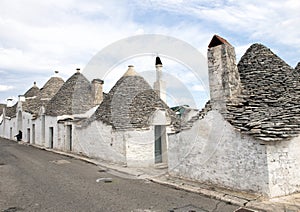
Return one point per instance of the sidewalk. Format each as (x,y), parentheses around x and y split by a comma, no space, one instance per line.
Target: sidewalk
(159,174)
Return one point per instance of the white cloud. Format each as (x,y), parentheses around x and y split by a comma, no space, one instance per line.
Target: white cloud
(42,36)
(5,88)
(273,22)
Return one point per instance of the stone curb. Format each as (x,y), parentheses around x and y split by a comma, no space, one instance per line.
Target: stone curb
(212,194)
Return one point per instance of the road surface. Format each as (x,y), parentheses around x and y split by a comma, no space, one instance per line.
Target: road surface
(32,179)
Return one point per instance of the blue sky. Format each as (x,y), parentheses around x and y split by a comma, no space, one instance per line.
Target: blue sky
(38,37)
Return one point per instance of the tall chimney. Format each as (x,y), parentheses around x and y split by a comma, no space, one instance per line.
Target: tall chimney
(224,78)
(97,91)
(159,84)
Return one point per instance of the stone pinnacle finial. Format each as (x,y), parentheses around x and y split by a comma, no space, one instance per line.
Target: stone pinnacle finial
(77,70)
(130,71)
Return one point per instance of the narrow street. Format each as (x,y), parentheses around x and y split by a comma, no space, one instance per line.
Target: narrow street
(32,179)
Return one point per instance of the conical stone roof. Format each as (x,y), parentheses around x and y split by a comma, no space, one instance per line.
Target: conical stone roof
(50,88)
(11,111)
(32,92)
(74,97)
(268,108)
(130,103)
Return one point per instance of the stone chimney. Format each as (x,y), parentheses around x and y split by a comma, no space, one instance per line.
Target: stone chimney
(160,85)
(224,78)
(97,91)
(22,98)
(9,102)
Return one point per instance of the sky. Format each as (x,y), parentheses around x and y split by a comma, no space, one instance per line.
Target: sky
(39,37)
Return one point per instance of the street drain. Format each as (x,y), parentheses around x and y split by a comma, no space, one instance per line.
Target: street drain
(13,209)
(189,208)
(105,180)
(244,210)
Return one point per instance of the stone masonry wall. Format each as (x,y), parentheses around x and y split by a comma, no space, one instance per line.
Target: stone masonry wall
(212,151)
(283,166)
(97,140)
(224,80)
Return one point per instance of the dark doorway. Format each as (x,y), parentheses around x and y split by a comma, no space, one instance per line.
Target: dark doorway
(51,137)
(157,146)
(28,135)
(33,134)
(69,137)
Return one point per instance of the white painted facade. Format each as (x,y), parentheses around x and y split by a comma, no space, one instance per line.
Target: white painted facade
(133,148)
(212,151)
(8,128)
(283,167)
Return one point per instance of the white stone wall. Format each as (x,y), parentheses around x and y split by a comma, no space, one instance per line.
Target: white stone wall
(97,140)
(5,127)
(283,164)
(139,147)
(38,131)
(26,124)
(59,143)
(51,121)
(134,148)
(213,152)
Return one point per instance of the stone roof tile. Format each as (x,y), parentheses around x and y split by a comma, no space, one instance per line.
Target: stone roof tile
(130,103)
(47,92)
(11,111)
(74,97)
(32,92)
(268,107)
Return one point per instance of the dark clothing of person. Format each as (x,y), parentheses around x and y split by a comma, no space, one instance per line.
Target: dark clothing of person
(19,136)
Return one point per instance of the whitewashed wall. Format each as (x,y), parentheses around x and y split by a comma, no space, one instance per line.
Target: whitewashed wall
(51,121)
(134,148)
(98,141)
(283,164)
(26,124)
(38,131)
(5,127)
(59,143)
(213,152)
(139,147)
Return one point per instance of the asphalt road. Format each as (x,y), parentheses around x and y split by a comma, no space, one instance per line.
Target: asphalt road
(32,179)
